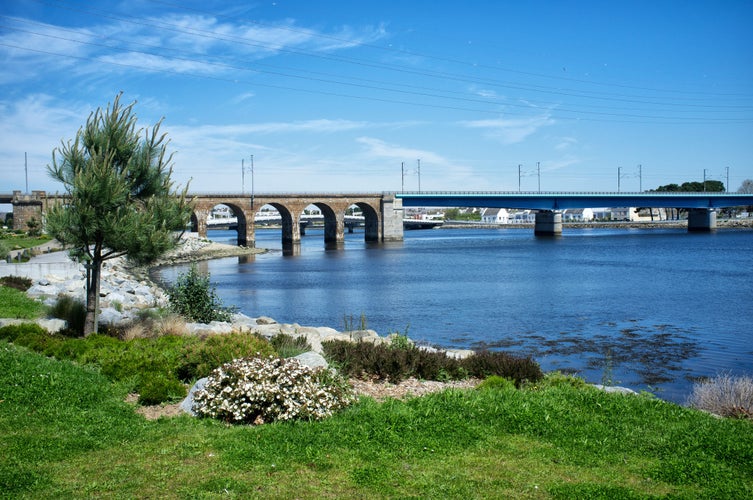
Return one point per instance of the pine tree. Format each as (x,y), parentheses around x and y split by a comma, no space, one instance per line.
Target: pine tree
(119,196)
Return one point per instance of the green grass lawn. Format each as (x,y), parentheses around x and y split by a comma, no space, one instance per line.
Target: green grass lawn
(65,431)
(16,304)
(21,241)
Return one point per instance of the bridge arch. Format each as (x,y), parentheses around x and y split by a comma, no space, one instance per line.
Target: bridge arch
(202,209)
(334,224)
(372,222)
(291,230)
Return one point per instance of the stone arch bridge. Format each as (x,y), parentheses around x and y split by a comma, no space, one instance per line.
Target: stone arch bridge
(383,215)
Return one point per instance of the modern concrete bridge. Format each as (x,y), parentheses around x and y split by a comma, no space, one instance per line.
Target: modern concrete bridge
(701,206)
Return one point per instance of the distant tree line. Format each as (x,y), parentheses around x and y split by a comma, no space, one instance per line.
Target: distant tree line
(704,186)
(694,187)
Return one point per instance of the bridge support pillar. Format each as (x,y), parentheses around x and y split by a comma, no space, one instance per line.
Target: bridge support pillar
(392,218)
(25,208)
(701,219)
(199,222)
(548,223)
(291,230)
(334,230)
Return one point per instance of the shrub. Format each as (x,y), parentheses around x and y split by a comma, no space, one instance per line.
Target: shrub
(262,390)
(71,310)
(12,332)
(368,360)
(559,379)
(400,341)
(157,388)
(486,363)
(148,364)
(724,395)
(35,227)
(195,298)
(17,282)
(496,382)
(33,337)
(198,359)
(385,362)
(287,346)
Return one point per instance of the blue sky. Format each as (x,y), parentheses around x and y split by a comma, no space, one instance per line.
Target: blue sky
(334,96)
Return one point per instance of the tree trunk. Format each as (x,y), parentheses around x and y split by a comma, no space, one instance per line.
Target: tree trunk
(92,297)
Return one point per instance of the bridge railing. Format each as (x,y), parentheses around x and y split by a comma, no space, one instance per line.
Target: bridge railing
(283,194)
(568,193)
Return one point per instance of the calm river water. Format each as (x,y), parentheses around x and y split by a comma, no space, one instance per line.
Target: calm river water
(650,309)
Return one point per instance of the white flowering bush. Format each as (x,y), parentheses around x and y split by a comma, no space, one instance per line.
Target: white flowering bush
(262,390)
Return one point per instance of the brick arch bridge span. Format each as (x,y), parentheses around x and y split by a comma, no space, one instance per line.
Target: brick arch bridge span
(383,214)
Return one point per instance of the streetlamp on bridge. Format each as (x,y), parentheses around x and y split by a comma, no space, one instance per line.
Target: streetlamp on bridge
(243,179)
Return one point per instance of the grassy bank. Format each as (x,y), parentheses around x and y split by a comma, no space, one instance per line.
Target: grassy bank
(65,431)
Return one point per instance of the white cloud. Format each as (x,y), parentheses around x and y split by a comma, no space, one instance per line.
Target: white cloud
(173,43)
(35,126)
(243,97)
(223,131)
(382,149)
(566,143)
(510,130)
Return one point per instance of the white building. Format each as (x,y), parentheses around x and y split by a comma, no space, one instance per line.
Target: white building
(522,217)
(495,216)
(577,215)
(634,214)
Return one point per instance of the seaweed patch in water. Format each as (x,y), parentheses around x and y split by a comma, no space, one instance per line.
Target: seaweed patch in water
(654,353)
(497,344)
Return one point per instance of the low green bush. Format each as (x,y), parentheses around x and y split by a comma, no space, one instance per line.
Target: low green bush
(486,363)
(496,382)
(32,336)
(12,332)
(558,379)
(156,388)
(198,359)
(400,341)
(148,364)
(263,390)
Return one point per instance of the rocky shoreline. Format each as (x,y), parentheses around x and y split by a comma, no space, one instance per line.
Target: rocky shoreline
(126,292)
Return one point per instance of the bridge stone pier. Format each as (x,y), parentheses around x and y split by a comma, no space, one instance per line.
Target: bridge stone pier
(701,219)
(27,207)
(548,223)
(383,215)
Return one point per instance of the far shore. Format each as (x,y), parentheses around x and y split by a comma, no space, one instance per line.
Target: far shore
(664,224)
